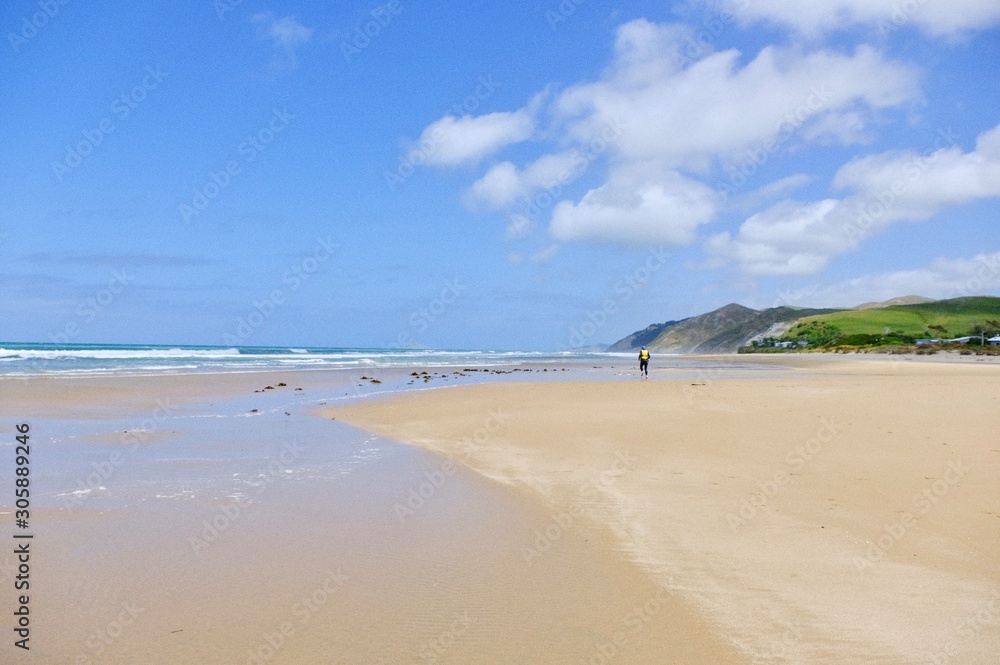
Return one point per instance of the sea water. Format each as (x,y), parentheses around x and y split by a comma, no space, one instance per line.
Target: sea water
(93,359)
(20,359)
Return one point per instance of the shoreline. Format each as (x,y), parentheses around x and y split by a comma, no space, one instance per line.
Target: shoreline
(61,395)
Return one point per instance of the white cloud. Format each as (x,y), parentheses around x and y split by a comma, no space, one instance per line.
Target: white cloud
(288,32)
(287,35)
(942,278)
(676,123)
(788,238)
(692,116)
(655,106)
(715,108)
(543,255)
(639,204)
(916,186)
(754,200)
(518,225)
(815,16)
(800,238)
(842,128)
(504,184)
(455,140)
(782,187)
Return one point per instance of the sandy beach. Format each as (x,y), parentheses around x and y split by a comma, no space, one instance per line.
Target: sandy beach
(845,513)
(203,518)
(803,509)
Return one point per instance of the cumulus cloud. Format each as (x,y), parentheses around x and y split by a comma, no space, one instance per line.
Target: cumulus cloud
(686,118)
(942,278)
(716,107)
(639,204)
(779,189)
(947,176)
(816,16)
(456,140)
(504,183)
(788,238)
(800,238)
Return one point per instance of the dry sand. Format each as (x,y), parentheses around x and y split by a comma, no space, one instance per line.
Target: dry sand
(848,512)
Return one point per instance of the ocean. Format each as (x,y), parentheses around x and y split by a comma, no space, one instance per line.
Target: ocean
(17,359)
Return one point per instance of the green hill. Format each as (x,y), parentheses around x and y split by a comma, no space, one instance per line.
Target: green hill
(900,324)
(724,330)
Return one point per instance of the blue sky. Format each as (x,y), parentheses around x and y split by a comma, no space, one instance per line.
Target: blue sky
(467,175)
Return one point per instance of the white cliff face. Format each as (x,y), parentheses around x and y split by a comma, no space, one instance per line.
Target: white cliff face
(776,330)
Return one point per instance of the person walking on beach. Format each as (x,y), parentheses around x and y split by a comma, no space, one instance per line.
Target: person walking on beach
(644,362)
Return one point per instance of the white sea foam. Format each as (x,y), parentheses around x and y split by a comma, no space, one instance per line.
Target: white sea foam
(95,360)
(117,354)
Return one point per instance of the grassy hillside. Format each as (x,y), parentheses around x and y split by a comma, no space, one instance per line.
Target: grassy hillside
(731,328)
(900,324)
(724,330)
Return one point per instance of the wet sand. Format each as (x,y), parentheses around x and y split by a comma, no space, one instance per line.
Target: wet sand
(205,544)
(310,577)
(846,512)
(115,397)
